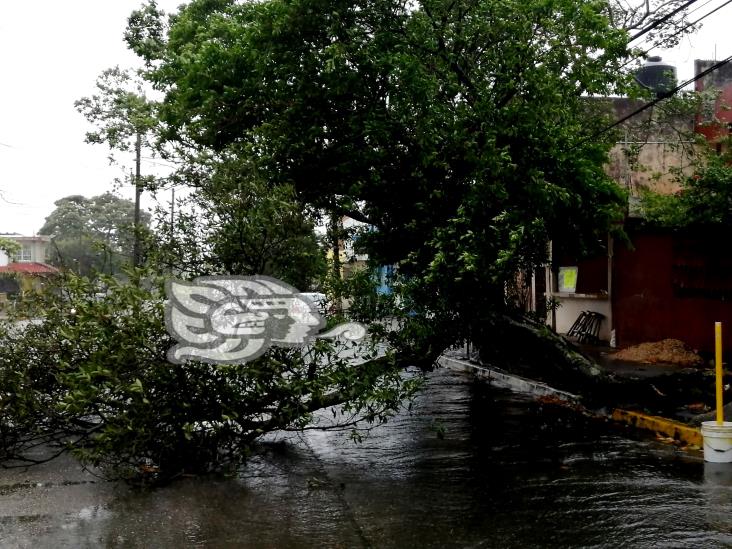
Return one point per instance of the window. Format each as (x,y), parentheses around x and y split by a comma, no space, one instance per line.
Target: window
(24,254)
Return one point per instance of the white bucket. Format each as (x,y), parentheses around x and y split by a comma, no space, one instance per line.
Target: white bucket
(717,441)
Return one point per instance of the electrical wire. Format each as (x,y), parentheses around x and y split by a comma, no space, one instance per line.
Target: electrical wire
(671,92)
(156,163)
(707,14)
(656,101)
(682,29)
(646,52)
(696,9)
(663,19)
(6,201)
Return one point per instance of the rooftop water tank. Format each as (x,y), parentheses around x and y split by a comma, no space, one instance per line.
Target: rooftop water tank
(657,76)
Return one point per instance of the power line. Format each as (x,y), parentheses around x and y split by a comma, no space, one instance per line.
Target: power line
(669,93)
(696,9)
(159,159)
(662,20)
(657,100)
(706,15)
(682,29)
(4,199)
(646,52)
(156,163)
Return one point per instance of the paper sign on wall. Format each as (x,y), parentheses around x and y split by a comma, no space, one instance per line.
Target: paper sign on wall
(567,280)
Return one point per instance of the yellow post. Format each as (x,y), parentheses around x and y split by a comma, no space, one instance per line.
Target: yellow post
(718,360)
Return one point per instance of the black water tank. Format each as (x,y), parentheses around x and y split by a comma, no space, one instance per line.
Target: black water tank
(657,76)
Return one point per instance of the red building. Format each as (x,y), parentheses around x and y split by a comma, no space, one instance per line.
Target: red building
(716,120)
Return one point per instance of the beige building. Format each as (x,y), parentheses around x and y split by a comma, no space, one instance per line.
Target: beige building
(33,249)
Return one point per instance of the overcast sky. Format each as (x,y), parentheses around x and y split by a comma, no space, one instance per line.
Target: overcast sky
(52,53)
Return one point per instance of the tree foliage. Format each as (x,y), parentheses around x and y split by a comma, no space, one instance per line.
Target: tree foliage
(93,377)
(457,130)
(237,225)
(119,111)
(9,246)
(705,197)
(92,234)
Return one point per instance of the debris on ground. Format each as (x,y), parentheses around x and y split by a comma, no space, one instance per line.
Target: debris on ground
(668,351)
(553,400)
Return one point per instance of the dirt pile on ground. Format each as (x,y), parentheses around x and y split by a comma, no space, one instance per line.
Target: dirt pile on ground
(668,351)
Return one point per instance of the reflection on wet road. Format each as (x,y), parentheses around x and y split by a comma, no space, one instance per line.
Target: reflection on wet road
(470,466)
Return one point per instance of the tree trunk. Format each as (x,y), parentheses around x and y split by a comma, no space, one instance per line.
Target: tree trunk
(335,242)
(533,350)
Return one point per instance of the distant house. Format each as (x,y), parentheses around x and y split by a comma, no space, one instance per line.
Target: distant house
(27,269)
(351,261)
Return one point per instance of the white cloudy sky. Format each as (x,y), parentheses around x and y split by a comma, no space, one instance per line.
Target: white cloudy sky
(52,52)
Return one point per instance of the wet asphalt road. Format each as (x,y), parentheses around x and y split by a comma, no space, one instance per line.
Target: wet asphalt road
(469,466)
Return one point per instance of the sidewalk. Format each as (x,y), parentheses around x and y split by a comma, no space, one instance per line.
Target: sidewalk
(666,429)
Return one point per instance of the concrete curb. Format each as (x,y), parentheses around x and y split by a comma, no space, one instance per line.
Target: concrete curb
(644,422)
(508,381)
(672,429)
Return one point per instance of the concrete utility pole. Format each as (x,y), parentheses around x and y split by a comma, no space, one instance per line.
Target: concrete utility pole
(138,191)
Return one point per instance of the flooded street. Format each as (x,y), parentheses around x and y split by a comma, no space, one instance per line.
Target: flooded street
(470,466)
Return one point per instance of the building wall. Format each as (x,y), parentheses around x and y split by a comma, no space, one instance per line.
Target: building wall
(676,285)
(671,286)
(37,245)
(651,150)
(655,166)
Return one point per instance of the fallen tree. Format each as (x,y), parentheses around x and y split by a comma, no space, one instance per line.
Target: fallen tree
(532,350)
(92,377)
(459,131)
